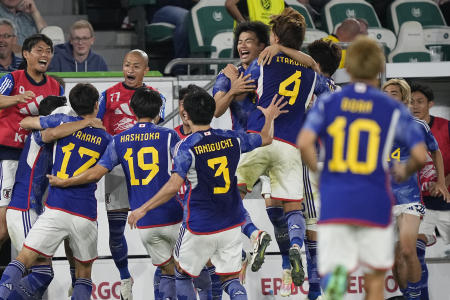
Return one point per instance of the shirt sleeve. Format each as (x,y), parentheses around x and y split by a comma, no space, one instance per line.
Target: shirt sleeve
(102,106)
(52,121)
(174,140)
(36,135)
(6,84)
(254,70)
(322,86)
(110,158)
(407,130)
(162,110)
(182,160)
(430,141)
(248,141)
(223,84)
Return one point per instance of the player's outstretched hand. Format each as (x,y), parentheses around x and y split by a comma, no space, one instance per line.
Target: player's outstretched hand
(55,181)
(97,123)
(231,71)
(242,84)
(265,57)
(399,172)
(439,189)
(135,216)
(23,98)
(274,109)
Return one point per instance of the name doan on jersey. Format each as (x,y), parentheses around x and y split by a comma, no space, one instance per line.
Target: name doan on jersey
(136,137)
(213,146)
(357,106)
(86,137)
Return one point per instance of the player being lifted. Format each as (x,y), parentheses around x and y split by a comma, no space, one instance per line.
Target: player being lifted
(114,110)
(207,160)
(357,127)
(280,160)
(70,213)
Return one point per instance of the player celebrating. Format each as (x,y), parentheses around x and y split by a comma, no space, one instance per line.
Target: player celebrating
(69,212)
(21,91)
(115,112)
(208,159)
(357,126)
(280,160)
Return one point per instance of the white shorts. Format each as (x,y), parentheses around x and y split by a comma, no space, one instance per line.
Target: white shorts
(192,251)
(8,170)
(433,219)
(350,246)
(311,202)
(160,242)
(116,191)
(54,226)
(415,209)
(281,162)
(19,224)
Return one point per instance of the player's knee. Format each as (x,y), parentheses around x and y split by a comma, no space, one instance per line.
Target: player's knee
(408,252)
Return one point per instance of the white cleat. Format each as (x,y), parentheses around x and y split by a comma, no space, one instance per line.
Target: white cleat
(126,286)
(286,283)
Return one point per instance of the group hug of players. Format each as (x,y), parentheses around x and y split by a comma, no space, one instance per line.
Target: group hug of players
(195,239)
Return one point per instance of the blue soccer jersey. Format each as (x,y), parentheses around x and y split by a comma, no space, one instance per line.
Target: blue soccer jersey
(208,160)
(240,110)
(357,127)
(34,163)
(409,191)
(297,83)
(144,151)
(73,155)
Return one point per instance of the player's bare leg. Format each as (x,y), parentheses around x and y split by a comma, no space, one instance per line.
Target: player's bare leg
(3,228)
(296,229)
(374,285)
(83,285)
(407,269)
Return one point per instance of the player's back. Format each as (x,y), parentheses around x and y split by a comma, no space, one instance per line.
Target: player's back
(213,202)
(296,82)
(145,154)
(73,155)
(358,127)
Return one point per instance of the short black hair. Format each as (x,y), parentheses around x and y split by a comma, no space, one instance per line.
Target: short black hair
(32,40)
(83,98)
(260,29)
(327,54)
(185,90)
(50,103)
(200,106)
(424,89)
(146,103)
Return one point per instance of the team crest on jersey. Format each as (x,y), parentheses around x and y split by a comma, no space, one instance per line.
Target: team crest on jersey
(6,194)
(265,4)
(207,133)
(141,125)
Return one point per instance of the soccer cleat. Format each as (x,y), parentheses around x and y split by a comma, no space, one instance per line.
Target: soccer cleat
(295,258)
(126,286)
(286,283)
(259,250)
(337,285)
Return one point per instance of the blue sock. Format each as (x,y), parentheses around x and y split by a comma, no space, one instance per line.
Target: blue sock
(413,290)
(167,290)
(313,273)
(82,289)
(216,284)
(248,227)
(324,281)
(36,283)
(184,286)
(280,227)
(117,242)
(11,276)
(156,283)
(234,289)
(403,291)
(72,275)
(297,226)
(203,285)
(420,247)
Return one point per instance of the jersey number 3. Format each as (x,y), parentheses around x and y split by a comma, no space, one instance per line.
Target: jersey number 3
(221,170)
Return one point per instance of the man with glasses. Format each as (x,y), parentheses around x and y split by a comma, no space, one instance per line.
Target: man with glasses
(8,38)
(76,55)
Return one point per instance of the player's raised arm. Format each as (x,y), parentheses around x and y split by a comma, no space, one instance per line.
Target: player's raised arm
(7,101)
(93,174)
(167,192)
(265,57)
(52,134)
(271,113)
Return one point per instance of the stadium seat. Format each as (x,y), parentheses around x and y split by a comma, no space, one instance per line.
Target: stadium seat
(303,10)
(205,20)
(384,36)
(337,11)
(55,33)
(313,34)
(158,32)
(410,44)
(426,12)
(223,44)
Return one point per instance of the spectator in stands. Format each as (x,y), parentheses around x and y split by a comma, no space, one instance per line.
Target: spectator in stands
(253,10)
(346,32)
(76,54)
(24,15)
(363,26)
(8,38)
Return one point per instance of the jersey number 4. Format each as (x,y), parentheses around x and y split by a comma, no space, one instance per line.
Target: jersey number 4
(341,163)
(293,93)
(82,151)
